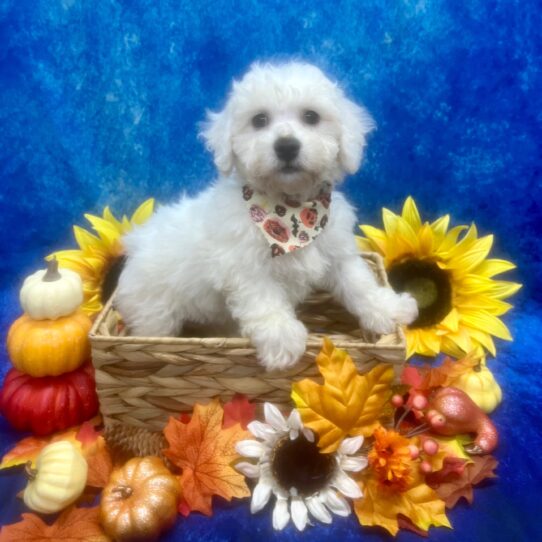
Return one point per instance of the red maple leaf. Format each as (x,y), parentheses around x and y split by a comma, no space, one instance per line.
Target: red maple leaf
(238,410)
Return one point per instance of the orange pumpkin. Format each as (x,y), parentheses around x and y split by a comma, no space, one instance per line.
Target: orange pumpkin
(49,347)
(140,501)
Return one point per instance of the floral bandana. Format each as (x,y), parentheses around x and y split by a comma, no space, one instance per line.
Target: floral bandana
(288,224)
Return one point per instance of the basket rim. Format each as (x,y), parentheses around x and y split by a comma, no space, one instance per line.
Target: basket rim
(314,341)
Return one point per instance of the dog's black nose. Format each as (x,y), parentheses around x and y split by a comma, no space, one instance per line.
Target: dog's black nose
(287,148)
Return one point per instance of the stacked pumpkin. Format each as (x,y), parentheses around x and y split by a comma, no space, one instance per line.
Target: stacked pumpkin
(51,386)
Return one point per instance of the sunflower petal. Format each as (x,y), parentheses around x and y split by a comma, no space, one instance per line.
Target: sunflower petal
(460,340)
(501,289)
(440,227)
(110,217)
(143,212)
(375,237)
(472,257)
(450,239)
(492,267)
(484,339)
(484,321)
(364,245)
(426,240)
(451,321)
(107,231)
(390,220)
(429,342)
(85,239)
(407,236)
(483,302)
(411,215)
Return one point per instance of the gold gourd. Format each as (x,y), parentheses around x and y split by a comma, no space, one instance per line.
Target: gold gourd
(480,385)
(140,501)
(58,480)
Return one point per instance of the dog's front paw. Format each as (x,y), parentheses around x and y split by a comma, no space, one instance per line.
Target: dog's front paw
(280,341)
(406,309)
(386,310)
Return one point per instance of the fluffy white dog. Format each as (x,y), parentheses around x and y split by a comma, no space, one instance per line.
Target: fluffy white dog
(286,136)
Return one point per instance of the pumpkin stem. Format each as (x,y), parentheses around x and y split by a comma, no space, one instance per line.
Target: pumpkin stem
(29,472)
(52,272)
(123,491)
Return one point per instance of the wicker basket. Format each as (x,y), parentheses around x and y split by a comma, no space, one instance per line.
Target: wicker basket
(141,381)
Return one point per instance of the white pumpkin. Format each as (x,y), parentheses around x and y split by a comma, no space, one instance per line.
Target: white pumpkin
(58,480)
(51,293)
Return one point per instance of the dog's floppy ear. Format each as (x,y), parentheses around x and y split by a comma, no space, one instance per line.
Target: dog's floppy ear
(356,123)
(216,131)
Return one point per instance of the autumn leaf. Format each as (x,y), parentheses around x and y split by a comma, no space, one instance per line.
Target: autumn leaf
(412,377)
(347,403)
(87,434)
(424,378)
(73,525)
(388,509)
(205,452)
(404,523)
(448,447)
(28,448)
(453,485)
(239,410)
(100,464)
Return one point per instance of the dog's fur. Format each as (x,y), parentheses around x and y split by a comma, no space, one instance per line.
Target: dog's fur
(202,260)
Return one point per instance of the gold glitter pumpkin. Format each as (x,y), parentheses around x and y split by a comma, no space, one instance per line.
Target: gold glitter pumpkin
(140,501)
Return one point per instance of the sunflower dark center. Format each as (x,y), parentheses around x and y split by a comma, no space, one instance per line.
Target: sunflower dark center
(299,464)
(111,278)
(428,284)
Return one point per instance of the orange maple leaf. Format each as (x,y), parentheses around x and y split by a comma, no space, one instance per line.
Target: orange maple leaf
(100,464)
(205,453)
(452,485)
(424,378)
(73,525)
(28,448)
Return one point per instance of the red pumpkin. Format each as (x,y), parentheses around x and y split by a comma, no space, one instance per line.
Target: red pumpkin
(50,403)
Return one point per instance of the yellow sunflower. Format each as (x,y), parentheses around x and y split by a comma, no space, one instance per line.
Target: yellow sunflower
(99,258)
(448,273)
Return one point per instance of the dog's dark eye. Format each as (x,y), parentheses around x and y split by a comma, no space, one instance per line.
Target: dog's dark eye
(311,117)
(261,120)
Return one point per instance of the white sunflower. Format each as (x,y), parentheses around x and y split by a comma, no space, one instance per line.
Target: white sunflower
(291,466)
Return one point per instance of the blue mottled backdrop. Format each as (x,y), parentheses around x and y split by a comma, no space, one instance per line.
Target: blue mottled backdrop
(99,103)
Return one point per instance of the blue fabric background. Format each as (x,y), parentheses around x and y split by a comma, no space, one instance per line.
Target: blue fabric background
(99,103)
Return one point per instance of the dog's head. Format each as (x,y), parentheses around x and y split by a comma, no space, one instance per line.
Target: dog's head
(286,128)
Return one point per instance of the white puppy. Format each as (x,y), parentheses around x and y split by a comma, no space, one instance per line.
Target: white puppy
(286,136)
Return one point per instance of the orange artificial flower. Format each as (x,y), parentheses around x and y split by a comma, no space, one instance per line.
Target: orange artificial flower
(390,459)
